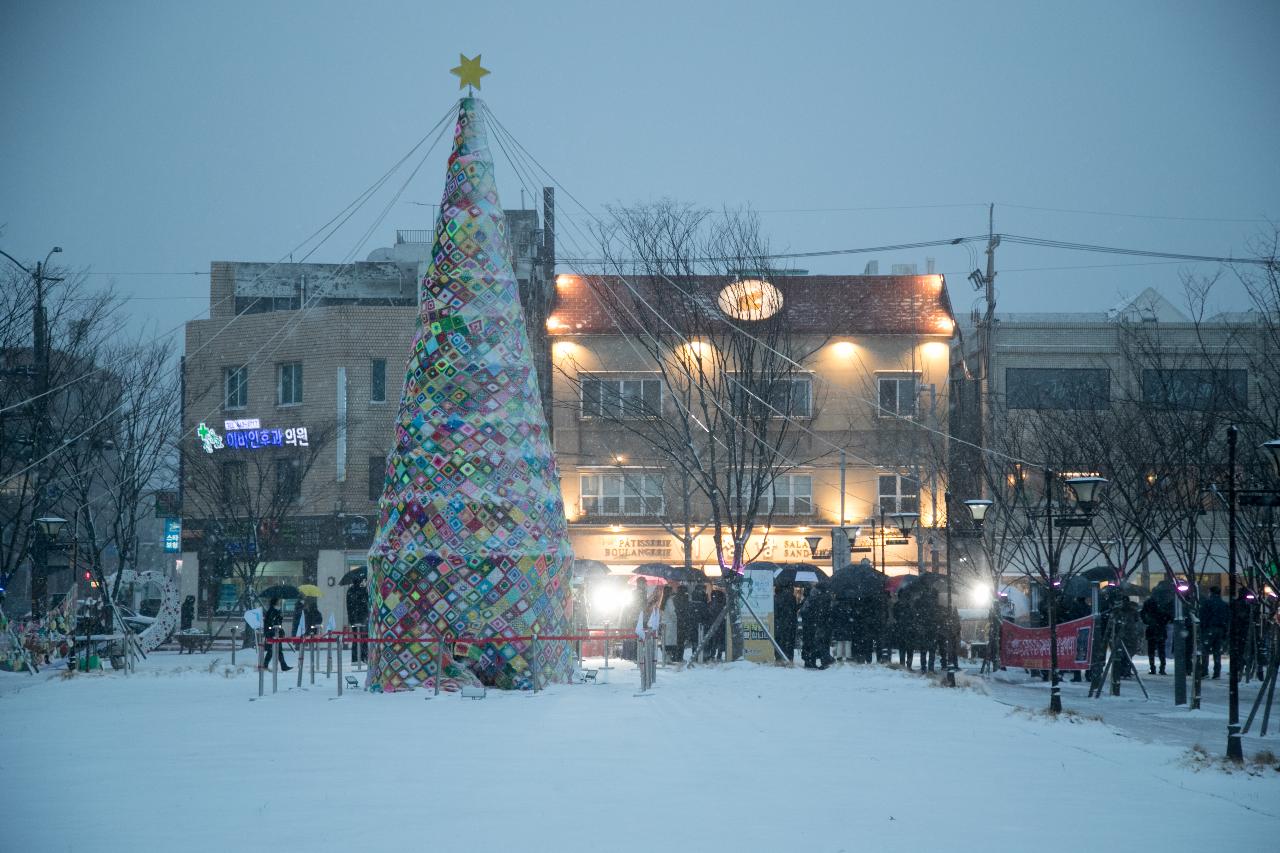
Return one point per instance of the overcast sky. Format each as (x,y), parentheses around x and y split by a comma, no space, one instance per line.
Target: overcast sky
(155,137)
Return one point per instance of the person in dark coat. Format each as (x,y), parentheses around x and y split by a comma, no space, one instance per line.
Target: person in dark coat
(904,628)
(718,602)
(784,621)
(683,640)
(1241,623)
(188,612)
(1215,617)
(699,615)
(815,625)
(358,619)
(841,619)
(272,622)
(1156,619)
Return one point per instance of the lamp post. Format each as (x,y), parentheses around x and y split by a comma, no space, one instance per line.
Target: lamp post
(1086,491)
(978,508)
(48,527)
(1251,497)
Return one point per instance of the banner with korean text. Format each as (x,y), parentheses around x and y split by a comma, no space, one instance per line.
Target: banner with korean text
(1029,647)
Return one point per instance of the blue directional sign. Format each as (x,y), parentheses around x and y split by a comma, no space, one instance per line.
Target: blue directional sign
(172,535)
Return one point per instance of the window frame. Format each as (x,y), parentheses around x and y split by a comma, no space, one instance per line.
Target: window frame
(619,394)
(1017,402)
(650,500)
(897,378)
(242,371)
(898,495)
(1163,378)
(296,383)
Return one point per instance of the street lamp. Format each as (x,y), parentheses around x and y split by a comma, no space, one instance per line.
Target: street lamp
(906,522)
(48,526)
(51,525)
(978,509)
(1086,491)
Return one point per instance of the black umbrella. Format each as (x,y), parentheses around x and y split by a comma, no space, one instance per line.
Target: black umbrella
(858,581)
(790,574)
(280,590)
(675,574)
(358,574)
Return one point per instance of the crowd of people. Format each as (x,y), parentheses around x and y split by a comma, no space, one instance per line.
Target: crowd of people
(824,622)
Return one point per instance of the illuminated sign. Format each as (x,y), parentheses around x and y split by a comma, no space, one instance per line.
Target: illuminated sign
(243,423)
(253,439)
(172,535)
(248,435)
(208,438)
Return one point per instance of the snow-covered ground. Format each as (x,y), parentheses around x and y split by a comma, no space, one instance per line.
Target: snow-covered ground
(184,757)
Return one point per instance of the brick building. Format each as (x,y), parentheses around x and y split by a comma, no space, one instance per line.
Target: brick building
(298,371)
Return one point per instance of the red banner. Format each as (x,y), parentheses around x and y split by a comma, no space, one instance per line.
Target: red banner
(1029,647)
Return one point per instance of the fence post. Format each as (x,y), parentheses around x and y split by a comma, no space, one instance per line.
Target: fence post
(262,673)
(439,664)
(653,659)
(275,662)
(328,658)
(533,661)
(701,652)
(301,661)
(233,644)
(315,651)
(340,664)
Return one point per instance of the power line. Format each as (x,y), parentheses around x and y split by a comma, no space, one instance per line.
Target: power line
(1132,215)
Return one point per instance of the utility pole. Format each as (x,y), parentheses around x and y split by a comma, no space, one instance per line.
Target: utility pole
(39,425)
(986,282)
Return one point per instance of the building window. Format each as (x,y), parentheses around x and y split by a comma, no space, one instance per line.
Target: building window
(235,483)
(377,476)
(781,398)
(621,398)
(235,384)
(1057,388)
(897,396)
(898,494)
(288,481)
(378,381)
(1203,390)
(793,494)
(621,494)
(289,384)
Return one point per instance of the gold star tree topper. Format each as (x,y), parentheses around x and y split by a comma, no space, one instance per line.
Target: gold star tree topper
(469,71)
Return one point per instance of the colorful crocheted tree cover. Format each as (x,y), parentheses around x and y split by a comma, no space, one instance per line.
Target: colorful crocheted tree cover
(471,538)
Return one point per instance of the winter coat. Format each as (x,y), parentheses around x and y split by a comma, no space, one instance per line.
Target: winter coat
(314,618)
(842,617)
(1155,618)
(272,619)
(357,604)
(686,628)
(784,610)
(669,625)
(816,616)
(1214,616)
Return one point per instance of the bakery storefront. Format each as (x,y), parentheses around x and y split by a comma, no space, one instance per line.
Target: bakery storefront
(624,548)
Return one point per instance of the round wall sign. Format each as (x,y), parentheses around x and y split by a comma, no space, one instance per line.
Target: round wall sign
(750,299)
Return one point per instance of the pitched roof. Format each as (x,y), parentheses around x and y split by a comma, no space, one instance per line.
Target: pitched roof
(823,304)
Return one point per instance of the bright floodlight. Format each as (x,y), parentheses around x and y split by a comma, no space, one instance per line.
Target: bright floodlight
(607,598)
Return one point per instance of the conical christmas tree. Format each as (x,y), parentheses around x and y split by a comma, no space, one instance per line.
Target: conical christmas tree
(471,536)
